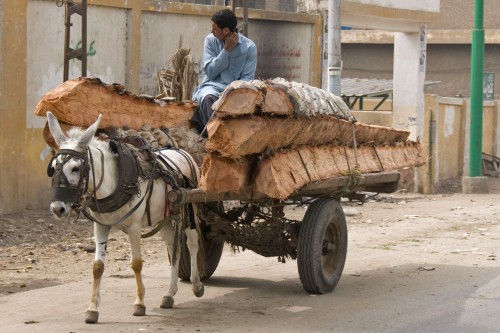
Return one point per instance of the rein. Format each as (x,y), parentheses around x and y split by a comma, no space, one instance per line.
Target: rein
(93,173)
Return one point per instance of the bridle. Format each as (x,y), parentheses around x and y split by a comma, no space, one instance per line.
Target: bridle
(62,189)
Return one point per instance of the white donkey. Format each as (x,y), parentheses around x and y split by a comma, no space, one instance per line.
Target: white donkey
(86,171)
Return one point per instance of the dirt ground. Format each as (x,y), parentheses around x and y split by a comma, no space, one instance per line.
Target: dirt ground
(37,251)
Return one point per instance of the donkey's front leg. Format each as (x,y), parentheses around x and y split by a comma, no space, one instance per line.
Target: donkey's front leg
(193,246)
(101,234)
(134,234)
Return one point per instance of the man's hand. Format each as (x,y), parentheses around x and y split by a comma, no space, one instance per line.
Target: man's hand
(231,41)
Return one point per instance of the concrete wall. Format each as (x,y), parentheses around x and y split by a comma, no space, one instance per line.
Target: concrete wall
(459,14)
(285,48)
(13,134)
(448,48)
(446,139)
(421,5)
(491,128)
(128,42)
(106,43)
(448,64)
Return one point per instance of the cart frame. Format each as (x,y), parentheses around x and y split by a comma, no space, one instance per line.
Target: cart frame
(318,242)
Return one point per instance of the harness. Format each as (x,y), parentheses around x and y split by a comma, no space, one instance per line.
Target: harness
(135,164)
(128,175)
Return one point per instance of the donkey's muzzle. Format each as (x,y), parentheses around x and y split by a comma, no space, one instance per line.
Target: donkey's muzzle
(65,194)
(59,208)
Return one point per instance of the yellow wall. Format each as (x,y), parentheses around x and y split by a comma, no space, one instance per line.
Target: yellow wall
(23,180)
(490,116)
(381,118)
(446,138)
(450,127)
(13,137)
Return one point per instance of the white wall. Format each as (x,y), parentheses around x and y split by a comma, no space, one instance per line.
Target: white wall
(160,35)
(284,48)
(423,5)
(408,83)
(106,44)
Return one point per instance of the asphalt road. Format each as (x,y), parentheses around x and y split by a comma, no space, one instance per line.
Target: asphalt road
(423,265)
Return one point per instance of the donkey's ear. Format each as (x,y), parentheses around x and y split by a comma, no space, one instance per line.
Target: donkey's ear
(89,133)
(55,129)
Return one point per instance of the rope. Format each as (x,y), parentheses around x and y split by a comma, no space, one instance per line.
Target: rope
(378,157)
(352,173)
(355,145)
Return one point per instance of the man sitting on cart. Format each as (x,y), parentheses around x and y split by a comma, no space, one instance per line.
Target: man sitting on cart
(228,56)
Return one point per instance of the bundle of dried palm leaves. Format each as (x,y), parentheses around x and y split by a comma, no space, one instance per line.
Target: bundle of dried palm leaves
(180,78)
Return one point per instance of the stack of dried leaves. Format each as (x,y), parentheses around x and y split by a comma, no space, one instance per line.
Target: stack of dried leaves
(181,77)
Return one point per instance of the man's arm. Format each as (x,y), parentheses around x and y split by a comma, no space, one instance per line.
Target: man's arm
(248,72)
(214,61)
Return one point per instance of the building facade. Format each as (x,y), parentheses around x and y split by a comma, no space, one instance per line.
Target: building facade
(370,54)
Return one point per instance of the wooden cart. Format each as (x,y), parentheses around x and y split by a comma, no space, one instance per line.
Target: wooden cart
(258,223)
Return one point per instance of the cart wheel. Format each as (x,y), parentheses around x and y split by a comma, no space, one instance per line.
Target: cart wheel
(322,246)
(213,252)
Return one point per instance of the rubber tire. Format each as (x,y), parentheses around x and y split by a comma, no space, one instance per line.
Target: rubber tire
(320,272)
(213,250)
(213,253)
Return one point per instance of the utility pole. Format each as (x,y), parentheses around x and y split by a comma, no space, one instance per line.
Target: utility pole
(334,46)
(475,183)
(245,18)
(476,94)
(245,15)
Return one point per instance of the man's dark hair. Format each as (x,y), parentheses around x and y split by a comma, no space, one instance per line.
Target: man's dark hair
(225,18)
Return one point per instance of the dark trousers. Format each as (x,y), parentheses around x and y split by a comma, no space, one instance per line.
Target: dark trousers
(204,113)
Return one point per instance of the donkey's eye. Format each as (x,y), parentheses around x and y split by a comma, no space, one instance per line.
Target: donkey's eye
(75,169)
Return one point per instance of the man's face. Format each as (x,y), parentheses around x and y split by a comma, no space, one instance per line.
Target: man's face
(220,33)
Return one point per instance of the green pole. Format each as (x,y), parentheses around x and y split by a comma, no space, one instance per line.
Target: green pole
(476,94)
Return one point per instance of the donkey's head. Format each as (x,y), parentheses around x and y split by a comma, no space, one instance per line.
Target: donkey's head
(69,168)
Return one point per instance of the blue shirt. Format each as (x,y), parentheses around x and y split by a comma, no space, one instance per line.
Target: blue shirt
(222,67)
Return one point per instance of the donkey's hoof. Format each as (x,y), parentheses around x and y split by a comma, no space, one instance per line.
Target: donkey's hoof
(139,310)
(91,317)
(167,302)
(200,291)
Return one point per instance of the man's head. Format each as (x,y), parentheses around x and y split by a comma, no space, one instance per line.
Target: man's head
(223,23)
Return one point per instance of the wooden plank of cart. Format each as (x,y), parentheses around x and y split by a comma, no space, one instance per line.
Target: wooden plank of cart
(258,223)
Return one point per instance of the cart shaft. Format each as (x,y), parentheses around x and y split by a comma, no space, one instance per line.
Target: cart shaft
(385,182)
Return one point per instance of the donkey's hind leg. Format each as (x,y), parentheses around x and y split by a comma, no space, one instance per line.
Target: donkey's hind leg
(134,234)
(101,234)
(193,246)
(168,235)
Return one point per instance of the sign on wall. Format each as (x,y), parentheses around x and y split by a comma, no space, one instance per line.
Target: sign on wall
(488,86)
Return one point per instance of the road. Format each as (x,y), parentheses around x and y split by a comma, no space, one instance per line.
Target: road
(414,264)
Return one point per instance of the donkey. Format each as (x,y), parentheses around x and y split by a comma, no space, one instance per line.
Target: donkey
(87,171)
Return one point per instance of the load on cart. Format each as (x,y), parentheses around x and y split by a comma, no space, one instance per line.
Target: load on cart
(138,165)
